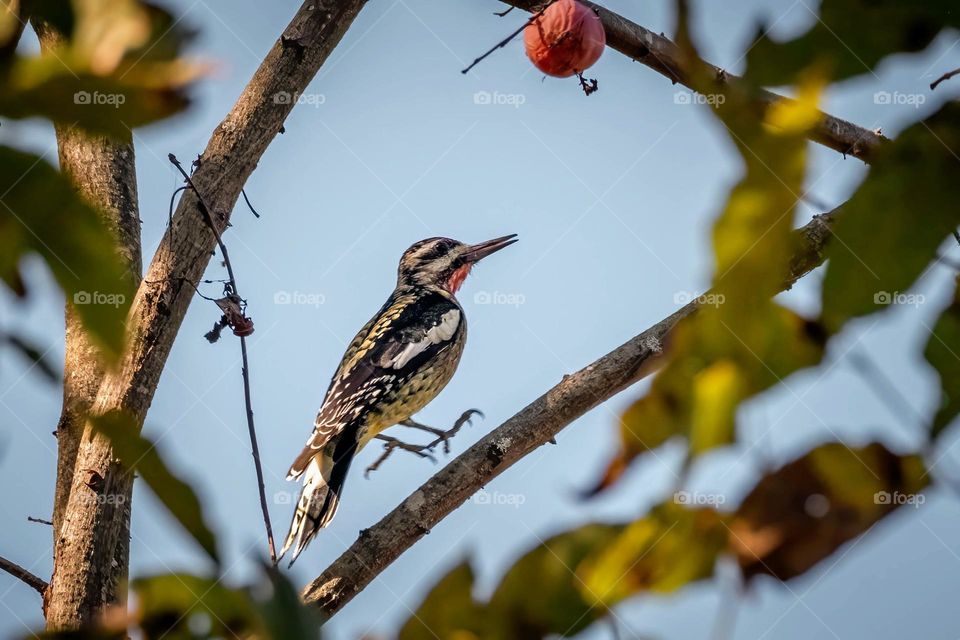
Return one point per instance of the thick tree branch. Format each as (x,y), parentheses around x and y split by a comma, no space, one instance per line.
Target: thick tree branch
(535,425)
(664,56)
(103,171)
(19,572)
(89,533)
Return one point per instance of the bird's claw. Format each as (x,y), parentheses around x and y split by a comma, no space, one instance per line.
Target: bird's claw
(423,450)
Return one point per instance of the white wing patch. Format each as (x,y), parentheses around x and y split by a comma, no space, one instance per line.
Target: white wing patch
(435,335)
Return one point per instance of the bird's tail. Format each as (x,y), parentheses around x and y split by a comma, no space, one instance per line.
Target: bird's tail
(323,482)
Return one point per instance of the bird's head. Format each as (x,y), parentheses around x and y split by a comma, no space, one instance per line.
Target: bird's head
(443,262)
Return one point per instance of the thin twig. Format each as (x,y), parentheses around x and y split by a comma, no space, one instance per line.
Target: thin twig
(510,37)
(243,192)
(19,572)
(504,12)
(245,370)
(946,76)
(39,520)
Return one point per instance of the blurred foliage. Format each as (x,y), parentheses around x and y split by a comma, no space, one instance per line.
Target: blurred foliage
(943,354)
(792,519)
(850,37)
(117,67)
(180,606)
(893,225)
(114,65)
(41,214)
(137,453)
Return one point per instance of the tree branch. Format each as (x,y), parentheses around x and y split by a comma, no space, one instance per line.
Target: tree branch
(89,533)
(19,572)
(536,424)
(665,57)
(103,171)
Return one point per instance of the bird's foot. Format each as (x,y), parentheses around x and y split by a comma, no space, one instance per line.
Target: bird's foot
(422,450)
(441,435)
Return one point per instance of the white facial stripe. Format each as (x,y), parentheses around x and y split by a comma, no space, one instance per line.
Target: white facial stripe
(435,335)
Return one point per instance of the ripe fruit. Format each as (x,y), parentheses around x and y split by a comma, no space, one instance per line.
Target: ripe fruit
(566,40)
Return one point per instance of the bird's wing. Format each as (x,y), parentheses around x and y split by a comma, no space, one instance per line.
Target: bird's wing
(408,331)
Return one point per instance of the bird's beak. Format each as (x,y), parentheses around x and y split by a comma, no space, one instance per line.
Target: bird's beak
(477,252)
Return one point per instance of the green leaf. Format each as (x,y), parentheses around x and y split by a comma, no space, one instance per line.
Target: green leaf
(41,213)
(892,226)
(551,571)
(33,354)
(802,513)
(943,354)
(739,342)
(667,549)
(448,610)
(116,68)
(283,615)
(850,38)
(136,452)
(174,605)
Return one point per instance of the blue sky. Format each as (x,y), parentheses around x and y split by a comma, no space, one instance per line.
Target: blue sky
(612,197)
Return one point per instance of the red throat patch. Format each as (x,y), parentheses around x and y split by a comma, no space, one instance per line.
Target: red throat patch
(457,278)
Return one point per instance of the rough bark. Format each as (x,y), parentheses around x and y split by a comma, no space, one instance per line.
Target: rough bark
(665,57)
(536,424)
(104,172)
(88,532)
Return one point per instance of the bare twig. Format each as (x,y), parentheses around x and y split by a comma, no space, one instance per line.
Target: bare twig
(19,572)
(234,295)
(39,521)
(664,56)
(510,37)
(532,427)
(943,78)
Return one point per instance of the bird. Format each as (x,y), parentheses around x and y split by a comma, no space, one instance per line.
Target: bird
(396,365)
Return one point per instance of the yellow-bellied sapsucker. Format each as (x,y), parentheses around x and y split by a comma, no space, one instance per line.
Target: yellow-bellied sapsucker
(398,362)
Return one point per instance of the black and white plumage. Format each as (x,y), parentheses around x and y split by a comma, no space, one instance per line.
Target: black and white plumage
(397,363)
